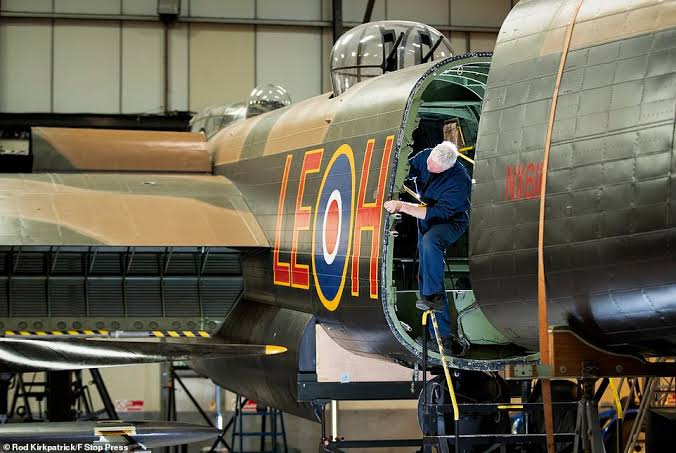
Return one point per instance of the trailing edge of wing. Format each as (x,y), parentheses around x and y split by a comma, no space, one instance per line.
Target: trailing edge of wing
(19,354)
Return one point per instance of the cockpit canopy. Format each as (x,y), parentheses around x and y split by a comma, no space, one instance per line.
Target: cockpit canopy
(265,98)
(372,49)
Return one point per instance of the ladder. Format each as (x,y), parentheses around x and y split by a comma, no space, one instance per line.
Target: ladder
(240,432)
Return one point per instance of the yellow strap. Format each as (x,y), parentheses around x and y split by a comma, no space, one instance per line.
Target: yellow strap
(447,373)
(616,397)
(424,319)
(468,159)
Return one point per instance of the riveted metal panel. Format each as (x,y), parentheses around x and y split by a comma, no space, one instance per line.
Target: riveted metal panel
(608,215)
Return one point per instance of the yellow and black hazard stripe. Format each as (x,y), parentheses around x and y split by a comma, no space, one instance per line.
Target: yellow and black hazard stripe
(106,333)
(181,333)
(57,333)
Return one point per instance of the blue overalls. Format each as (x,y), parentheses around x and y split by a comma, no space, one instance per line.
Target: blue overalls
(446,195)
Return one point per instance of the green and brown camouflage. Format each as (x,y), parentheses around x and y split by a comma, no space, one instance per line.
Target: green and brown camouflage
(296,197)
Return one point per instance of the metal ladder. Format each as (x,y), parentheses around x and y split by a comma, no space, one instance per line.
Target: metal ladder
(239,432)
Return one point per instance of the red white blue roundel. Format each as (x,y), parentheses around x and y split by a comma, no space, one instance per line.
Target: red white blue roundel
(333,227)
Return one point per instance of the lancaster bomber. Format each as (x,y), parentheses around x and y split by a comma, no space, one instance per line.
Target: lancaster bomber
(276,223)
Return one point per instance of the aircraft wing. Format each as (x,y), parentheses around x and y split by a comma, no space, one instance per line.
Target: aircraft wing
(126,188)
(129,209)
(29,354)
(128,434)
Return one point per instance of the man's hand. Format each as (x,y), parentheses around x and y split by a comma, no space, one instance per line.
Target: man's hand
(393,206)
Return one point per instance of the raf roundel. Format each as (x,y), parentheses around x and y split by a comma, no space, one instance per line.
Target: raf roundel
(332,236)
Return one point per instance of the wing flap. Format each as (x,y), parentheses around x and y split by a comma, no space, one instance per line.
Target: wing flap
(64,149)
(125,209)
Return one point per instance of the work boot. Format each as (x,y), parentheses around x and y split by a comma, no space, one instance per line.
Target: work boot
(452,346)
(434,302)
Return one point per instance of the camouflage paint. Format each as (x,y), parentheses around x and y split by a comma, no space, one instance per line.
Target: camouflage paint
(610,197)
(124,209)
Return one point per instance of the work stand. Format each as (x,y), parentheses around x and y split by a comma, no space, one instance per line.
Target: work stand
(442,423)
(321,394)
(173,378)
(336,444)
(59,396)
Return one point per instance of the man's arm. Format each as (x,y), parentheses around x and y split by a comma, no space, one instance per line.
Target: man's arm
(412,209)
(415,210)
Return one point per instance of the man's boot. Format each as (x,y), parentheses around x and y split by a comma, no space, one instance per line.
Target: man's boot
(434,302)
(452,346)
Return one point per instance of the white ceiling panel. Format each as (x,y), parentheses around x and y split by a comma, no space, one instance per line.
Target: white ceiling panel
(327,45)
(482,42)
(431,12)
(142,67)
(353,10)
(459,42)
(25,66)
(88,6)
(291,57)
(221,8)
(32,6)
(178,67)
(221,64)
(289,9)
(485,13)
(86,67)
(139,7)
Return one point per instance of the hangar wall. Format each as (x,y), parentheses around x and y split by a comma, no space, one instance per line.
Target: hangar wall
(108,56)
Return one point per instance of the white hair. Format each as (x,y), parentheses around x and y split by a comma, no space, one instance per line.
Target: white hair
(446,154)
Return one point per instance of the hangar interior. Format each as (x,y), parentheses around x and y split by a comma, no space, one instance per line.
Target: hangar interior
(73,63)
(180,65)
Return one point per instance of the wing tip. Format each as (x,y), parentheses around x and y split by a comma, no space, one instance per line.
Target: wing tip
(271,349)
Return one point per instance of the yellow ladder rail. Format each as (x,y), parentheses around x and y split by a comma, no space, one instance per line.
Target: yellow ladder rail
(444,363)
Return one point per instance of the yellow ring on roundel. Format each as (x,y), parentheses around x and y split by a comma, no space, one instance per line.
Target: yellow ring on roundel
(332,304)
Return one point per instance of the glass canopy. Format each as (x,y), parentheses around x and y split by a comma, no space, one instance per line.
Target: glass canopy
(372,49)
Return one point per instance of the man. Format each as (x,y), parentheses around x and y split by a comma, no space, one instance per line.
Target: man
(443,215)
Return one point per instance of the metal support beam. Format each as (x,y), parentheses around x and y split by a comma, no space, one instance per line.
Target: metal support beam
(103,393)
(334,420)
(369,11)
(60,396)
(5,380)
(337,19)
